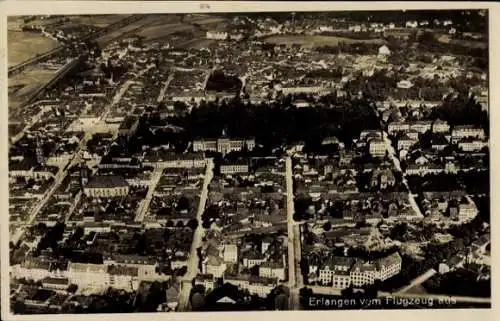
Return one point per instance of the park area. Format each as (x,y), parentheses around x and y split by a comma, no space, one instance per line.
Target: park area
(316,41)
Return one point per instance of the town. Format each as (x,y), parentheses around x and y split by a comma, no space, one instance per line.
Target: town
(162,163)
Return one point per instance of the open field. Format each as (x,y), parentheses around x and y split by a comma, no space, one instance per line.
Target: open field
(97,20)
(315,41)
(163,19)
(27,82)
(22,46)
(14,23)
(159,31)
(465,43)
(134,28)
(206,20)
(200,43)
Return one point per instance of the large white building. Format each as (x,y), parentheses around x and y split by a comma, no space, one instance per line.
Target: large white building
(396,127)
(421,126)
(123,277)
(460,132)
(223,145)
(472,145)
(98,277)
(440,126)
(341,272)
(406,142)
(217,35)
(272,270)
(146,267)
(164,159)
(37,269)
(255,285)
(333,267)
(234,168)
(230,253)
(91,276)
(377,148)
(106,186)
(466,211)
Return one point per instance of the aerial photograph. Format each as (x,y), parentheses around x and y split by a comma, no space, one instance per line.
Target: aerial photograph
(248,161)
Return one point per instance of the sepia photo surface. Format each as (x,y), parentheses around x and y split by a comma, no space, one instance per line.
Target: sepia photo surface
(248,161)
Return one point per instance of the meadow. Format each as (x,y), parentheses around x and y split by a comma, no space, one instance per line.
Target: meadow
(22,46)
(316,40)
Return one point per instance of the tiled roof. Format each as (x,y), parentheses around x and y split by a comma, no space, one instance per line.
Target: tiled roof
(123,270)
(86,267)
(392,259)
(214,260)
(58,281)
(108,181)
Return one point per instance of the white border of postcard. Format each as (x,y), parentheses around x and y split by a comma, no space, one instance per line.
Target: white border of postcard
(128,7)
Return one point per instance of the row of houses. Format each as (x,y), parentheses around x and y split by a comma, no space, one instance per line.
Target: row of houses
(420,126)
(438,126)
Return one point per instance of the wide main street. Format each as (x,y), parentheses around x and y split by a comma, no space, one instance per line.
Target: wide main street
(192,268)
(293,240)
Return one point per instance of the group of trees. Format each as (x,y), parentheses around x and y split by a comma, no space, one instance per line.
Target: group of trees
(355,48)
(461,110)
(474,182)
(220,82)
(51,239)
(210,214)
(192,224)
(111,301)
(332,116)
(435,253)
(427,42)
(404,233)
(461,282)
(333,74)
(288,123)
(301,207)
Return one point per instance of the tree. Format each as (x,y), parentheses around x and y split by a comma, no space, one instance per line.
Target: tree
(281,302)
(170,223)
(183,203)
(192,224)
(327,226)
(181,271)
(179,224)
(72,288)
(347,292)
(254,270)
(399,232)
(19,307)
(165,211)
(304,266)
(197,301)
(206,224)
